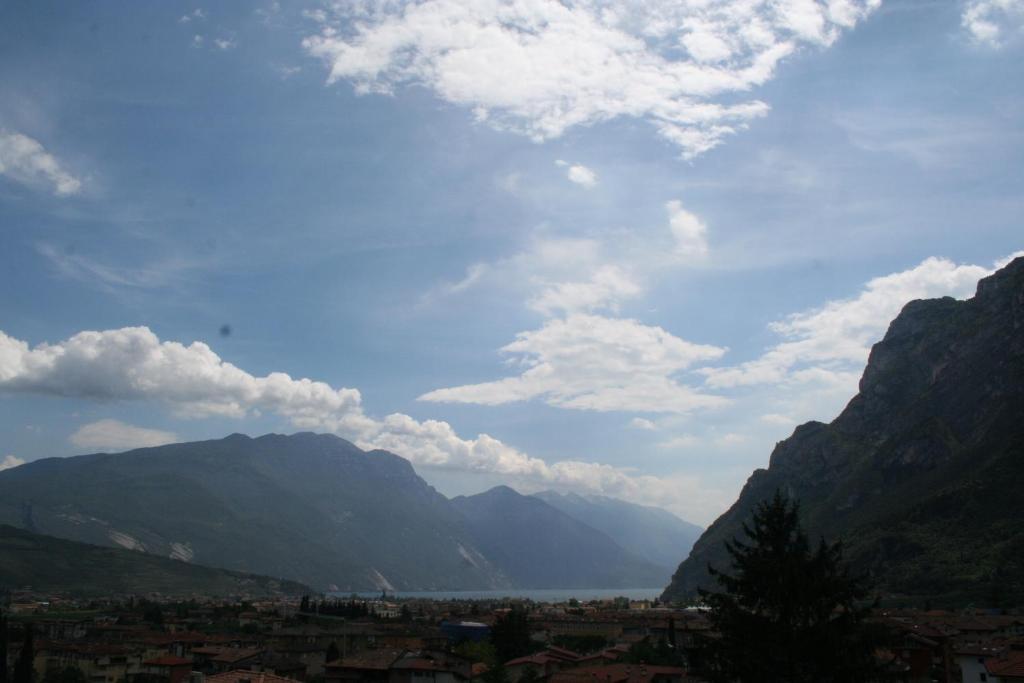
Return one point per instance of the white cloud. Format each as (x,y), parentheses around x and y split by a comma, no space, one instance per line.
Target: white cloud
(225,44)
(642,423)
(197,40)
(113,435)
(689,232)
(988,21)
(540,67)
(579,174)
(25,160)
(681,442)
(604,290)
(589,362)
(167,271)
(132,364)
(829,346)
(731,439)
(778,419)
(10,461)
(195,14)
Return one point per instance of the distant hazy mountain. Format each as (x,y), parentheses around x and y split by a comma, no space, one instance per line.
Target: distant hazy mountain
(539,546)
(921,474)
(52,564)
(654,534)
(313,508)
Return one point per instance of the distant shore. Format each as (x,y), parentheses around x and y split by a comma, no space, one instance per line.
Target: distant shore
(535,594)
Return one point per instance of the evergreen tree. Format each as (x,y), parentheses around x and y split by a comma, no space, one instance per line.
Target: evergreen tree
(332,652)
(511,636)
(787,613)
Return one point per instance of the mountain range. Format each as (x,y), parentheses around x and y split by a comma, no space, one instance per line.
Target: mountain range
(539,546)
(317,509)
(651,533)
(54,565)
(921,474)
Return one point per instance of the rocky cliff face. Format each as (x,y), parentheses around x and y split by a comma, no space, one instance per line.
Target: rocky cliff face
(921,474)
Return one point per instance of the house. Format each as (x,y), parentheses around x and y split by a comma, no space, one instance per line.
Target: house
(1007,667)
(621,673)
(244,676)
(213,660)
(370,665)
(167,669)
(542,663)
(432,667)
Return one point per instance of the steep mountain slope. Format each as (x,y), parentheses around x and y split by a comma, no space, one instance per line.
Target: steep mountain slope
(654,534)
(539,546)
(52,564)
(313,508)
(921,474)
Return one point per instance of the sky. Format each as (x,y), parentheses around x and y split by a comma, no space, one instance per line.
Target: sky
(608,247)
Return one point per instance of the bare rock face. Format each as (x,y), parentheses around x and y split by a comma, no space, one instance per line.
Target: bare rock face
(920,474)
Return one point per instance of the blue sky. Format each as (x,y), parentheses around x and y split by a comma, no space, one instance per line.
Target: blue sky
(613,247)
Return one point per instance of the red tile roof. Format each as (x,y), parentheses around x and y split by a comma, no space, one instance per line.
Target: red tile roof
(167,660)
(1008,665)
(617,673)
(243,676)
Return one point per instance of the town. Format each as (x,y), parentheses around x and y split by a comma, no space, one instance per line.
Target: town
(156,639)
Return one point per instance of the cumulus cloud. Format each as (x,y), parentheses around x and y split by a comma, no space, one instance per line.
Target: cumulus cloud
(540,67)
(133,364)
(579,174)
(830,345)
(25,160)
(10,461)
(608,286)
(989,21)
(688,230)
(590,362)
(642,423)
(114,435)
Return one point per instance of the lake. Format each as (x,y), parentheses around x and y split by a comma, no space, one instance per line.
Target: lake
(535,594)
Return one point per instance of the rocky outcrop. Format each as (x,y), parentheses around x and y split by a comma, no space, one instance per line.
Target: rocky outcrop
(919,475)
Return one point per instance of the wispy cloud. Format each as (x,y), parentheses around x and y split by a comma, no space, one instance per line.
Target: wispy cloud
(114,435)
(589,362)
(26,161)
(540,68)
(10,461)
(830,345)
(72,264)
(988,22)
(196,14)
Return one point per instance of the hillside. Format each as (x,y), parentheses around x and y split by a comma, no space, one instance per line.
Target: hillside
(539,546)
(651,533)
(921,474)
(312,508)
(48,564)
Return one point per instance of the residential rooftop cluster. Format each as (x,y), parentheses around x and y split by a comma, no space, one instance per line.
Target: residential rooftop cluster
(331,640)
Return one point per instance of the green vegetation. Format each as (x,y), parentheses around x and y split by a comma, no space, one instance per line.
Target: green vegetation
(919,475)
(59,566)
(787,613)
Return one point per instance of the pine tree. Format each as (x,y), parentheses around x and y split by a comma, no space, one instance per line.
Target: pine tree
(788,613)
